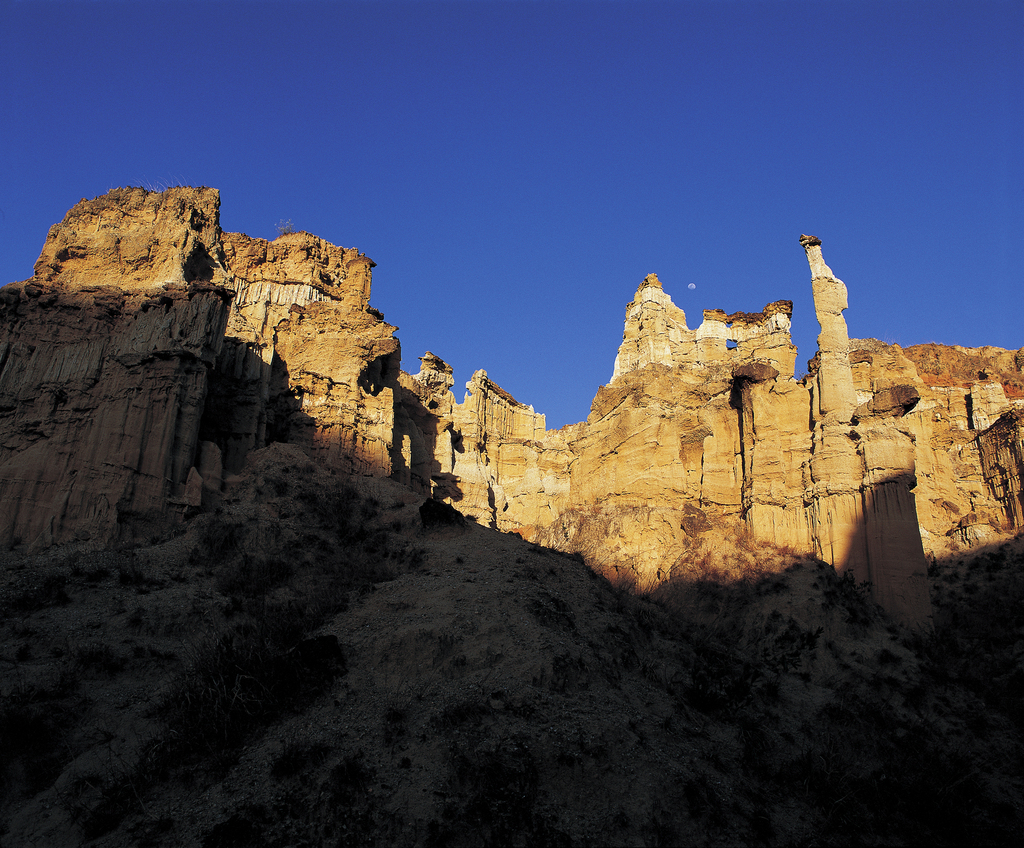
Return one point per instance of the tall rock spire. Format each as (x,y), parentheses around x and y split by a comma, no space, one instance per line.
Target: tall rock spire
(861,506)
(836,395)
(655,329)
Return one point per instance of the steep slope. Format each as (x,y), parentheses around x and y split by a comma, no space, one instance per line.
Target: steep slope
(322,662)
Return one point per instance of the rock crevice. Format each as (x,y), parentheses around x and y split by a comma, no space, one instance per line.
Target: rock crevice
(151,354)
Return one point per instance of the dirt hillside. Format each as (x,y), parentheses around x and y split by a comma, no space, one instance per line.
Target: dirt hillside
(321,660)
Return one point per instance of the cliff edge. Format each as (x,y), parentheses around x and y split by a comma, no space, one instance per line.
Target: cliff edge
(151,354)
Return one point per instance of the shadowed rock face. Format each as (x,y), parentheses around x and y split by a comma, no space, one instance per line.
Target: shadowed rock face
(151,354)
(1002,460)
(104,360)
(137,367)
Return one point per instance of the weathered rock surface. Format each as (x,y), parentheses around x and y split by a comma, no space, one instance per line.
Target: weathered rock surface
(133,239)
(863,462)
(961,367)
(1002,461)
(306,359)
(490,455)
(104,359)
(151,354)
(138,368)
(656,334)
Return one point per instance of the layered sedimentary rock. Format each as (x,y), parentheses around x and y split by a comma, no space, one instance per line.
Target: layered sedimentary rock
(490,455)
(151,354)
(693,431)
(1002,461)
(961,367)
(104,361)
(131,239)
(656,333)
(306,359)
(862,513)
(701,432)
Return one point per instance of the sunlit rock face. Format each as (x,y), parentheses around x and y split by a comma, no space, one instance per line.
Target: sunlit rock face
(151,354)
(138,367)
(105,356)
(306,360)
(656,334)
(861,511)
(134,240)
(701,432)
(490,455)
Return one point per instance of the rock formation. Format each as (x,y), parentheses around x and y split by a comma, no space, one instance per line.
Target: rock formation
(705,429)
(137,367)
(151,353)
(306,359)
(104,361)
(1002,461)
(861,513)
(656,333)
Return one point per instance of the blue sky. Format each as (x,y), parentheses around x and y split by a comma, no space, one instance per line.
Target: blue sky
(516,168)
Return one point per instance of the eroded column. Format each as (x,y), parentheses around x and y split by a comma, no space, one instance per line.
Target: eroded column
(836,395)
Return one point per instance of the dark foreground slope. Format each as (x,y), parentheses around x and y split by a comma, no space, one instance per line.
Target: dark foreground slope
(309,664)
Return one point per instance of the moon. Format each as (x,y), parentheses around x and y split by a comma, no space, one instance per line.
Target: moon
(692,286)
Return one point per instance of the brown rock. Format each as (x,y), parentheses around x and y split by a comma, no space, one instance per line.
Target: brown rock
(135,239)
(694,520)
(102,388)
(150,395)
(1002,461)
(898,400)
(955,366)
(754,372)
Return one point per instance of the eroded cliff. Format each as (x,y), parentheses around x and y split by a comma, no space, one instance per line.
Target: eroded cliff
(104,361)
(151,354)
(703,437)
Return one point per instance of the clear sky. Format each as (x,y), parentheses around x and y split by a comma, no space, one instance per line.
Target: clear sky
(516,168)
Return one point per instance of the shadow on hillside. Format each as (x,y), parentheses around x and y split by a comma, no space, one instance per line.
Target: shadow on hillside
(978,603)
(784,707)
(918,736)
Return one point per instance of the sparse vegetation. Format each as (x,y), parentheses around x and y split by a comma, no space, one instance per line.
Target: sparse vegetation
(497,694)
(242,678)
(49,593)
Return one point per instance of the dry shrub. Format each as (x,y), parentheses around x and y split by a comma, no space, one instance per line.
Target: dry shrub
(241,678)
(625,579)
(734,558)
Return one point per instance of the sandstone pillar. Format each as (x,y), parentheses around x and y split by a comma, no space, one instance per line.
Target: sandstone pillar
(862,511)
(836,395)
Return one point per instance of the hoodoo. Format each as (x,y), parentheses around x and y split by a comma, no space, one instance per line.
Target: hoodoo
(151,353)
